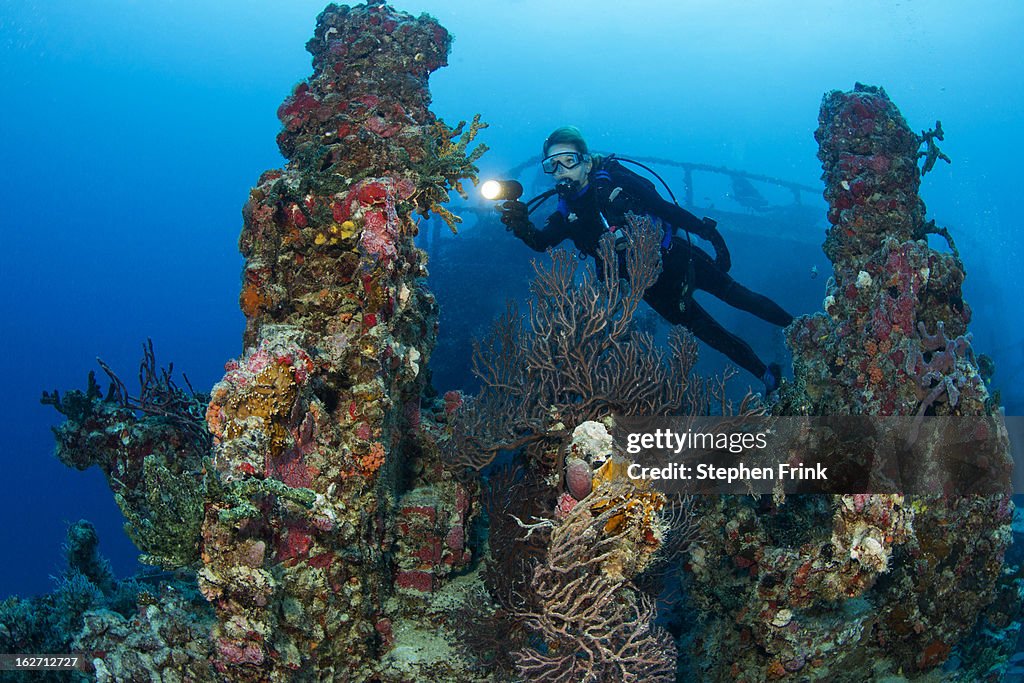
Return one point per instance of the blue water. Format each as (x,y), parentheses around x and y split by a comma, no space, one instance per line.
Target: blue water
(132,131)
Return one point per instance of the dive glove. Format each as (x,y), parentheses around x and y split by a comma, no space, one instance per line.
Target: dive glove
(516,217)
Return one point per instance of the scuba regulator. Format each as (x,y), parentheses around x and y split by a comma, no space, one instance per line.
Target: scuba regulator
(565,188)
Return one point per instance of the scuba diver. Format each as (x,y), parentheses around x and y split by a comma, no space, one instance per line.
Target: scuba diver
(594,195)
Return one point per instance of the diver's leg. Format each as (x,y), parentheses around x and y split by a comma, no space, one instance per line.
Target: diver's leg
(666,301)
(711,279)
(707,329)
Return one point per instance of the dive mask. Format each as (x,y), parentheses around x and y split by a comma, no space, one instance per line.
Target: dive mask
(567,160)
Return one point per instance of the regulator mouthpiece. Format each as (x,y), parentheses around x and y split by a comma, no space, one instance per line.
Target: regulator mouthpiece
(565,188)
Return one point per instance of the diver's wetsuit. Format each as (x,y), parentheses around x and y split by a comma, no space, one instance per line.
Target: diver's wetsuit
(684,267)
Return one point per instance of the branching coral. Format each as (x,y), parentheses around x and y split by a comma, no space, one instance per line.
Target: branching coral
(569,530)
(159,397)
(445,164)
(578,359)
(932,152)
(593,624)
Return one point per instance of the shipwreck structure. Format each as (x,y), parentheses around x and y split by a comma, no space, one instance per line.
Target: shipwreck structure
(309,522)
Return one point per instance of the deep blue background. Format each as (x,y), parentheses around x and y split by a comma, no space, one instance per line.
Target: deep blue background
(132,131)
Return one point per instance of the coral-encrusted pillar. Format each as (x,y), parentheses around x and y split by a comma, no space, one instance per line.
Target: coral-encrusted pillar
(857,587)
(889,289)
(893,341)
(310,422)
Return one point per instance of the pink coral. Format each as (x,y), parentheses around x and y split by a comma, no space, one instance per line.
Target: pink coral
(293,544)
(379,235)
(240,652)
(371,192)
(564,505)
(456,538)
(452,401)
(290,469)
(298,109)
(381,127)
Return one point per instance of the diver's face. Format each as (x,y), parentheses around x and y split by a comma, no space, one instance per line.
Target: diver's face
(568,164)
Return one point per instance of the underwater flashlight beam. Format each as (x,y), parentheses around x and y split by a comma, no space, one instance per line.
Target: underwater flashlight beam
(501,189)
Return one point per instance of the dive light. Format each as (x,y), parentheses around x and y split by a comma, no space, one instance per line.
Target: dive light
(501,189)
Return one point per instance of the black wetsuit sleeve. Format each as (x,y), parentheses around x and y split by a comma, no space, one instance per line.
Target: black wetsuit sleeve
(554,231)
(642,197)
(646,199)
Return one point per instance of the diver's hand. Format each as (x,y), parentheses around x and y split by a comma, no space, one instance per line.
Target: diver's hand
(516,217)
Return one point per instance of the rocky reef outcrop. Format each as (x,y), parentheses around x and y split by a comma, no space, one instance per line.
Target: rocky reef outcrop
(856,587)
(315,422)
